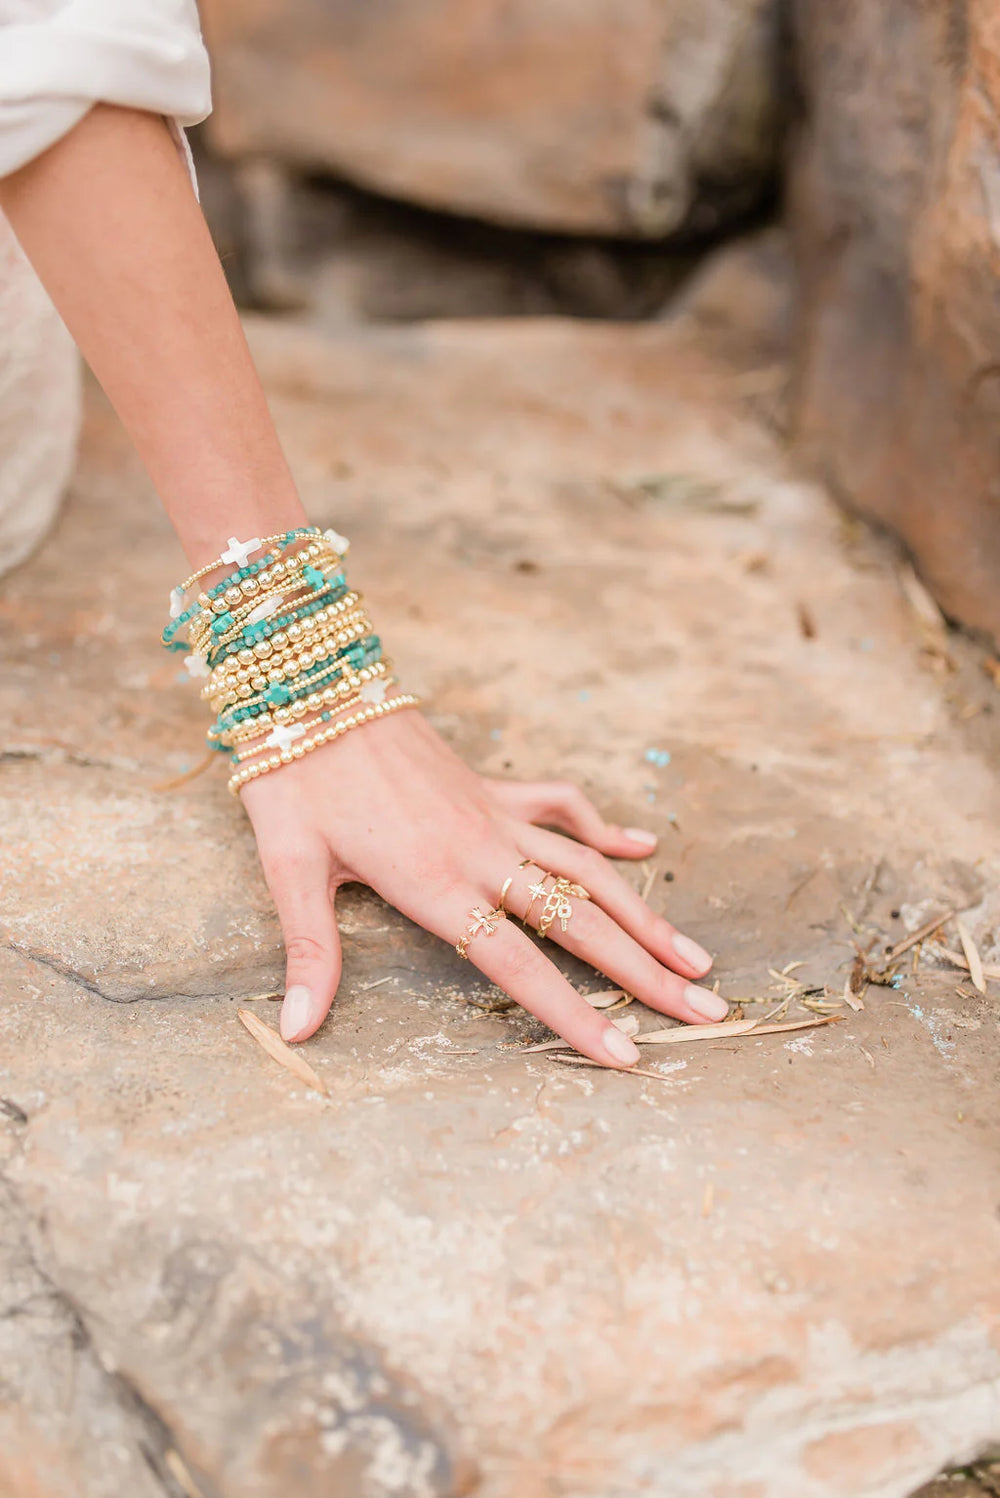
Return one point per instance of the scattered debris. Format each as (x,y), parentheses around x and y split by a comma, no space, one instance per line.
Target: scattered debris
(931,623)
(851,999)
(708,1199)
(658,757)
(256,998)
(276,1048)
(177,1468)
(960,961)
(807,623)
(972,956)
(367,987)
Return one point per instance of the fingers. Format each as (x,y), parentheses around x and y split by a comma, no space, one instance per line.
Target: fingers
(560,803)
(512,961)
(622,903)
(592,935)
(299,881)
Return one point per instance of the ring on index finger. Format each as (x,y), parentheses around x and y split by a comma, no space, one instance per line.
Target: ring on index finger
(484,922)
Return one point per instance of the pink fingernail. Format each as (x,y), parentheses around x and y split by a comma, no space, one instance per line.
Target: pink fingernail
(690,952)
(703,1001)
(619,1047)
(640,836)
(296,1011)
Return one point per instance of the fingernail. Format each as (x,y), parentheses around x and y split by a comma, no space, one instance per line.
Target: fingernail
(706,1003)
(690,952)
(640,836)
(296,1011)
(619,1047)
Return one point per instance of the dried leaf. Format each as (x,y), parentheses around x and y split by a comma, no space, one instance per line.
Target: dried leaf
(604,999)
(280,1052)
(570,1058)
(731,1029)
(972,956)
(176,1467)
(708,1199)
(960,961)
(255,998)
(852,1000)
(628,1024)
(920,601)
(926,930)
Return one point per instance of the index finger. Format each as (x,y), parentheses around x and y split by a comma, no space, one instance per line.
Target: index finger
(512,961)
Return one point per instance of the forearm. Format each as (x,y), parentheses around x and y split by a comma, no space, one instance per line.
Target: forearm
(109,221)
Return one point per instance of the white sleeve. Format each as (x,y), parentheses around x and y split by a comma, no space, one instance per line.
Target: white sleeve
(59,57)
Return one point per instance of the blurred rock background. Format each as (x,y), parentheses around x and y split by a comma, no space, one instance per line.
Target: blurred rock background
(580,157)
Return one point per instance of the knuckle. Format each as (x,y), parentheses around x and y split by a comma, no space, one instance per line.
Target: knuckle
(303,950)
(591,862)
(522,964)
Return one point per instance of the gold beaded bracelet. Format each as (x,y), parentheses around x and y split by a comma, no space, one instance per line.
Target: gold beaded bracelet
(295,635)
(285,584)
(334,696)
(328,735)
(288,667)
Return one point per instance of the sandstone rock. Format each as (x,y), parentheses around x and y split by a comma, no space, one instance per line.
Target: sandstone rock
(768,1272)
(896,209)
(39,405)
(595,117)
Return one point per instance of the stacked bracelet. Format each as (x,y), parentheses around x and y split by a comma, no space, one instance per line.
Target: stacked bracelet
(286,651)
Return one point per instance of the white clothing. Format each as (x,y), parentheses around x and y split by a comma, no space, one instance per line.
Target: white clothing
(59,57)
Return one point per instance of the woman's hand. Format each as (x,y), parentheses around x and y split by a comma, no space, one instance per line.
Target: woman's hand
(391,806)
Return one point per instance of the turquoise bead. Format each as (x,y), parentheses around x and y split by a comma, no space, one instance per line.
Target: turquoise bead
(277,694)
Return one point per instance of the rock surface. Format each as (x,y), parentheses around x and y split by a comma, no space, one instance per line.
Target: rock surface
(896,207)
(767,1272)
(594,117)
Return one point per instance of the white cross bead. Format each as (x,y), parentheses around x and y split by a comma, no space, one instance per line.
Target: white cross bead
(340,543)
(196,665)
(282,737)
(176,603)
(373,691)
(263,610)
(240,552)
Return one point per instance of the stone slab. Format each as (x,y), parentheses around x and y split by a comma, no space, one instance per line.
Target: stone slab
(769,1271)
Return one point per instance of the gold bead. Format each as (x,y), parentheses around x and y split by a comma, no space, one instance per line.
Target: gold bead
(295,631)
(262,650)
(244,691)
(245,657)
(297,751)
(249,585)
(279,640)
(258,683)
(233,595)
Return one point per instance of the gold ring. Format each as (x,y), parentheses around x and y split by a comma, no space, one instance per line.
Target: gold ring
(483,923)
(557,905)
(507,884)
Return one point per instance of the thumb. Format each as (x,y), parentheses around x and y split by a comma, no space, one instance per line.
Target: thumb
(301,886)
